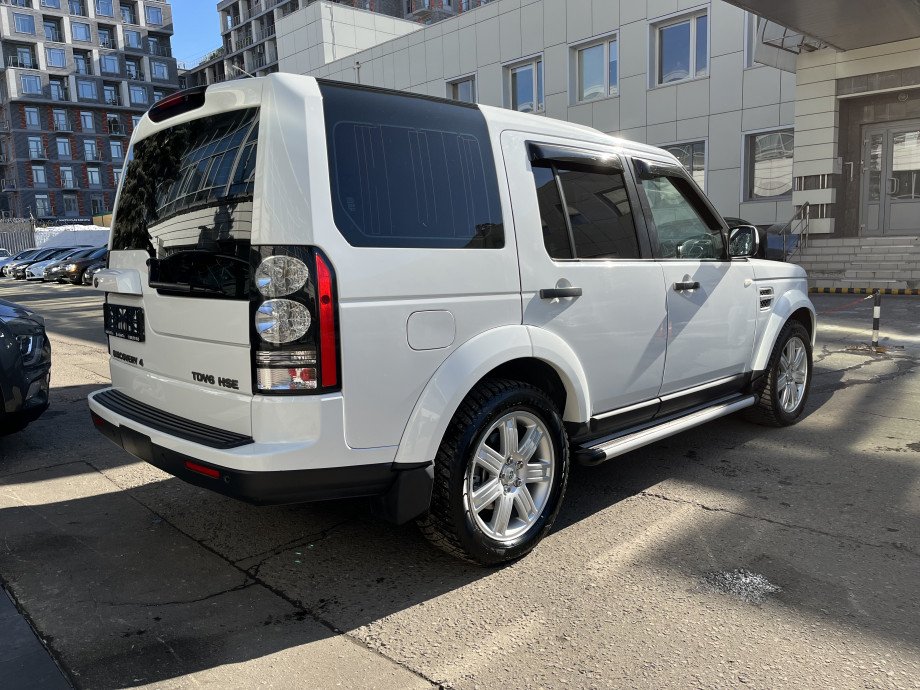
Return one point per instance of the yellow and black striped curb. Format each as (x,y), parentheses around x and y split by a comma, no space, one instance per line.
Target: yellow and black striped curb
(865,291)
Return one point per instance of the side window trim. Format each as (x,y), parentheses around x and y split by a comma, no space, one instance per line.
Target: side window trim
(643,168)
(548,155)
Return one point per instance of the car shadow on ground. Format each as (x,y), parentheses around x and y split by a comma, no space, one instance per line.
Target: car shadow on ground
(137,578)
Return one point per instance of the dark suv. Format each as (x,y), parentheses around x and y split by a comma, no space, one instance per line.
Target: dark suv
(25,367)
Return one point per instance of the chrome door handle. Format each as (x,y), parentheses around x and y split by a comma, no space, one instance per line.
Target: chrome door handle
(689,285)
(555,293)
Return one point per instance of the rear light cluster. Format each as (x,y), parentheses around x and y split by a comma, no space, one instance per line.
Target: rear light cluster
(295,330)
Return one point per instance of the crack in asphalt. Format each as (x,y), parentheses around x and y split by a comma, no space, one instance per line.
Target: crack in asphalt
(268,554)
(248,582)
(899,546)
(36,469)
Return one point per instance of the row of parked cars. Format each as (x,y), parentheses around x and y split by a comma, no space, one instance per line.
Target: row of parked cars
(76,265)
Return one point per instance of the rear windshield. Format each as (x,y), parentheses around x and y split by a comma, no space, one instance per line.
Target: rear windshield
(184,185)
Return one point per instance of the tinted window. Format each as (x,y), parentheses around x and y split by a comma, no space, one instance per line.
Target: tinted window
(598,212)
(410,172)
(205,163)
(682,223)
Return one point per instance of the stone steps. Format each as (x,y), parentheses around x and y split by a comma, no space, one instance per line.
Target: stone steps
(867,262)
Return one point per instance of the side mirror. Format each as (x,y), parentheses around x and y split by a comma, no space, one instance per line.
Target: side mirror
(743,242)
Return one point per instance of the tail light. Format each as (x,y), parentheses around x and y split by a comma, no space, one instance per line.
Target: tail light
(294,335)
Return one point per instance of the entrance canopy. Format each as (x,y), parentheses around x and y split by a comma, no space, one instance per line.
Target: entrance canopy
(843,24)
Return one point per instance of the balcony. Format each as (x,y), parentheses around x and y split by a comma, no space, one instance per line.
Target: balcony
(244,42)
(17,3)
(8,185)
(69,183)
(116,129)
(38,153)
(21,62)
(116,101)
(258,62)
(62,126)
(92,156)
(54,35)
(267,32)
(107,43)
(160,51)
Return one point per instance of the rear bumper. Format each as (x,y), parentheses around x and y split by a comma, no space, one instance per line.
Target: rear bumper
(401,493)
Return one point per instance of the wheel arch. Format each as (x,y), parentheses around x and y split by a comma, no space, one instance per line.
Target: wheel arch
(793,305)
(524,353)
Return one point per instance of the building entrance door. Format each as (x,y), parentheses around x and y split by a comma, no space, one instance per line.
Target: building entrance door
(891,179)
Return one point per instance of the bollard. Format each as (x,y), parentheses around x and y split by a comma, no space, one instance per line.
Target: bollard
(876,316)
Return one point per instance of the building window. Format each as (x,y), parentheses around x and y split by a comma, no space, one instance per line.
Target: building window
(135,121)
(31,84)
(682,48)
(132,38)
(53,4)
(87,122)
(597,70)
(154,15)
(692,156)
(42,206)
(117,149)
(116,173)
(105,37)
(93,176)
(86,89)
(81,63)
(61,122)
(81,32)
(63,148)
(36,147)
(98,205)
(525,86)
(67,179)
(108,63)
(139,95)
(77,8)
(52,29)
(90,152)
(159,70)
(33,121)
(58,89)
(133,69)
(56,57)
(463,90)
(768,164)
(24,23)
(71,207)
(39,178)
(105,8)
(128,13)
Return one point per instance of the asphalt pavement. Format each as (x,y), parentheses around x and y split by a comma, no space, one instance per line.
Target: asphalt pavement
(729,555)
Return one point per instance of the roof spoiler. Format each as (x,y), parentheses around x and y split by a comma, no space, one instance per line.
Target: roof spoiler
(177,104)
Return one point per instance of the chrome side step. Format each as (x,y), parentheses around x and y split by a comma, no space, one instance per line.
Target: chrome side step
(628,441)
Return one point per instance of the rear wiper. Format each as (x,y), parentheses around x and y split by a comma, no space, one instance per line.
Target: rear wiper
(184,288)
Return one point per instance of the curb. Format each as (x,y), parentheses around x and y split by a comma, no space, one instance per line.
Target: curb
(865,291)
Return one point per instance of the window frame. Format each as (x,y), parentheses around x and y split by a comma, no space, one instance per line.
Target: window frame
(147,10)
(710,216)
(30,77)
(747,161)
(68,181)
(131,92)
(46,198)
(545,153)
(26,17)
(684,16)
(49,50)
(76,203)
(29,111)
(610,91)
(90,170)
(85,82)
(539,82)
(89,30)
(453,83)
(39,170)
(689,142)
(100,13)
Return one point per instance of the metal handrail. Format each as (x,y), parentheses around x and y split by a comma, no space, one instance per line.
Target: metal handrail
(802,218)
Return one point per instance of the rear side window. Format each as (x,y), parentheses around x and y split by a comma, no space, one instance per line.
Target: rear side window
(410,172)
(597,222)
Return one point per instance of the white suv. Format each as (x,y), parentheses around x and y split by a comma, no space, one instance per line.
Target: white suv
(318,290)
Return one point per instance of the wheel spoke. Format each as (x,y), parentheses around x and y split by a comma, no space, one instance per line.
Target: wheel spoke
(502,514)
(486,494)
(530,443)
(799,358)
(526,508)
(489,459)
(537,472)
(781,380)
(509,434)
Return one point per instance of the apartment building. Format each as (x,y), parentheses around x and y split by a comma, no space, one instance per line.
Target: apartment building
(680,74)
(249,40)
(77,76)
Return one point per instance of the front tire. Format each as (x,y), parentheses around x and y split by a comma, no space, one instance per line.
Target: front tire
(500,474)
(783,390)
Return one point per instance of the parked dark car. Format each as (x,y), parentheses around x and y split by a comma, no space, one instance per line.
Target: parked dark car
(17,269)
(54,271)
(25,367)
(74,270)
(92,270)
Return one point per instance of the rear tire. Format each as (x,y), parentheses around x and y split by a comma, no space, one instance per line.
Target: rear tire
(783,389)
(500,474)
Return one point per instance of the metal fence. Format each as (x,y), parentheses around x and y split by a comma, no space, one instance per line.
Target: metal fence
(17,234)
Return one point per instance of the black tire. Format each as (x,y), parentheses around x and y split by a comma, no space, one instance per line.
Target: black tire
(769,410)
(449,523)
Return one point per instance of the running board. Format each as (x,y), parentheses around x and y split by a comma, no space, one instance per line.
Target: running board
(628,441)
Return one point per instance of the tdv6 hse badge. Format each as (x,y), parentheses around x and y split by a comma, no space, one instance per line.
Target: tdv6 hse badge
(220,380)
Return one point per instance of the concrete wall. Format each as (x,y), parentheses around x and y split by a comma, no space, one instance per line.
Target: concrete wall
(817,112)
(719,109)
